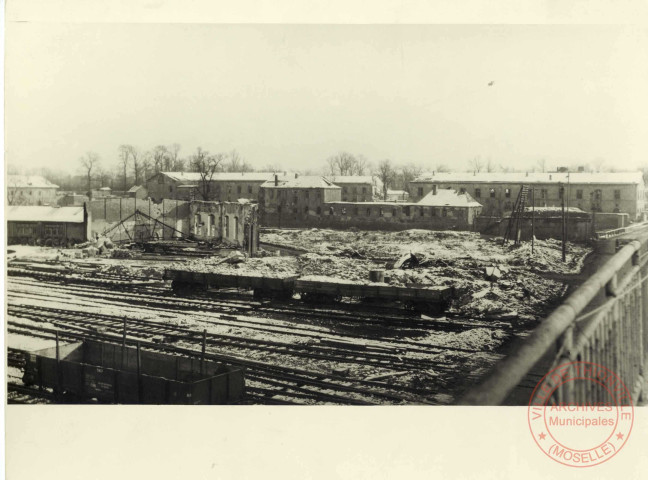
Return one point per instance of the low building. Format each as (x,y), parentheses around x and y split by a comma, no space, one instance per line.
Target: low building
(356,188)
(30,190)
(103,192)
(397,196)
(44,225)
(547,222)
(138,191)
(223,186)
(73,200)
(610,192)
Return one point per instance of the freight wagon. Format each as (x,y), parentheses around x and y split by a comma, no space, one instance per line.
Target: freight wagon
(424,298)
(114,374)
(262,286)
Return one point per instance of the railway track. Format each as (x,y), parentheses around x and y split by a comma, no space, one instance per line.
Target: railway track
(283,380)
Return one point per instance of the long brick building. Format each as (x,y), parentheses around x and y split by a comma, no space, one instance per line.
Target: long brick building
(621,192)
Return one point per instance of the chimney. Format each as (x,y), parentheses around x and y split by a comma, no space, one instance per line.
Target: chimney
(296,175)
(432,172)
(527,174)
(550,177)
(434,188)
(276,180)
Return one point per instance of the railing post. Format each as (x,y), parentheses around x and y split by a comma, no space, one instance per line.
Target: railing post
(566,345)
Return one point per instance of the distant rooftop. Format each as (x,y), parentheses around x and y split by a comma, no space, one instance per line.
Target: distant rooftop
(339,179)
(29,181)
(222,176)
(44,214)
(135,188)
(533,177)
(305,181)
(446,197)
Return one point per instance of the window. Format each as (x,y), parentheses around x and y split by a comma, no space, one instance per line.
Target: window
(161,179)
(393,212)
(343,211)
(492,193)
(462,191)
(421,211)
(344,189)
(561,192)
(355,189)
(238,189)
(408,211)
(356,211)
(420,191)
(617,194)
(433,212)
(249,188)
(271,193)
(331,211)
(368,212)
(306,209)
(364,189)
(579,194)
(507,192)
(307,194)
(319,210)
(444,212)
(51,230)
(477,192)
(170,188)
(380,212)
(543,193)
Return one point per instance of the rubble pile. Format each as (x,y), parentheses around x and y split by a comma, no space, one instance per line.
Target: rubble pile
(271,267)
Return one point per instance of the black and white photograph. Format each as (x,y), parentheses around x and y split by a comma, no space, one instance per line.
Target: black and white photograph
(258,215)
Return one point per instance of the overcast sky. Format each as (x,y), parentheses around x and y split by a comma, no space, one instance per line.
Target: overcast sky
(294,95)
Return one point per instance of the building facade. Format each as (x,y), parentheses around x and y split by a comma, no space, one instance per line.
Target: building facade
(622,192)
(223,187)
(234,223)
(309,202)
(45,225)
(30,190)
(356,188)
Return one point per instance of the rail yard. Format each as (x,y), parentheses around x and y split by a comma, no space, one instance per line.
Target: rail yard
(352,339)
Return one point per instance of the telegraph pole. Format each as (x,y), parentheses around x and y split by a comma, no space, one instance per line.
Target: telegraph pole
(564,223)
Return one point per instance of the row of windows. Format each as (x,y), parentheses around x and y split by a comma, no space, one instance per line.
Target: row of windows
(354,190)
(596,194)
(409,211)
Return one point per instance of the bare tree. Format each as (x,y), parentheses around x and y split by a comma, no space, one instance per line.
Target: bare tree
(161,158)
(542,165)
(89,162)
(147,166)
(124,156)
(476,164)
(13,192)
(407,174)
(490,165)
(345,163)
(273,168)
(172,161)
(205,164)
(442,168)
(236,164)
(135,156)
(386,174)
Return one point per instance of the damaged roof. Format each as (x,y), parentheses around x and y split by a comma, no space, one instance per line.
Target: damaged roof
(533,177)
(44,214)
(447,197)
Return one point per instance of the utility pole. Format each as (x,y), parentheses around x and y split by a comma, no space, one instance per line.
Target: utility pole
(532,220)
(564,223)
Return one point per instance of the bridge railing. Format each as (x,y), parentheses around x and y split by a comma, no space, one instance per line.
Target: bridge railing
(605,321)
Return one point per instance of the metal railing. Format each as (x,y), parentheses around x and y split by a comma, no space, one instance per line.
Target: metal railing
(605,321)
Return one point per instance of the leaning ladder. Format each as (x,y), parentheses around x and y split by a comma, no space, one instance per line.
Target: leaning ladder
(515,220)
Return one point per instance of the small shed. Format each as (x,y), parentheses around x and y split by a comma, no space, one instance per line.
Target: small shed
(138,191)
(50,226)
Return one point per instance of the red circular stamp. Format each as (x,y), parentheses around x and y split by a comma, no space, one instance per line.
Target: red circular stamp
(576,432)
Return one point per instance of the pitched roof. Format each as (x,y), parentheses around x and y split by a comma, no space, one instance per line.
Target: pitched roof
(220,176)
(339,179)
(533,177)
(135,188)
(305,181)
(446,197)
(44,214)
(29,181)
